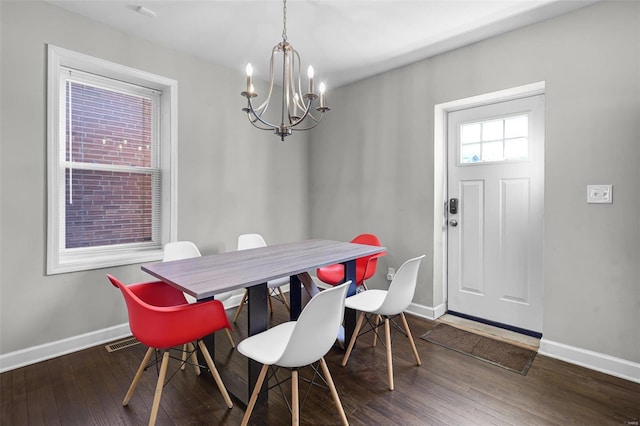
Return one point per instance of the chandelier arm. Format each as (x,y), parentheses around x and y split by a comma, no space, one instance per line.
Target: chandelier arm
(253,122)
(315,123)
(258,117)
(265,105)
(300,104)
(297,94)
(305,111)
(314,118)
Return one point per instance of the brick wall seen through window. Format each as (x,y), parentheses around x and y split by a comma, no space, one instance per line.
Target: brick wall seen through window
(109,128)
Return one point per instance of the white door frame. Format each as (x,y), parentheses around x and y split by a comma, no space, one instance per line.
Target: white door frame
(440,179)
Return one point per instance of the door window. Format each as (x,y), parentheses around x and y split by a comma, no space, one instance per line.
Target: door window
(495,140)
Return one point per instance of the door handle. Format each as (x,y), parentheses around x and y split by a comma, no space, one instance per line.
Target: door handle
(453,222)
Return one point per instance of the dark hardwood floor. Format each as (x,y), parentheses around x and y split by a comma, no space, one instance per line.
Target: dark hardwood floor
(87,388)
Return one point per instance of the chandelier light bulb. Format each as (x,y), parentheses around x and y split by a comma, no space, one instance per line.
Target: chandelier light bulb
(322,89)
(310,74)
(249,71)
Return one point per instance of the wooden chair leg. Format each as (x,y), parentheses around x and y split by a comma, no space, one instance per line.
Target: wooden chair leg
(295,405)
(215,374)
(136,378)
(334,392)
(354,336)
(245,296)
(254,395)
(284,299)
(159,386)
(185,349)
(375,330)
(194,358)
(270,302)
(387,333)
(405,324)
(230,337)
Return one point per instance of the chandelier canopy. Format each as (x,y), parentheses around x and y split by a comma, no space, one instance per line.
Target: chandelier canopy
(296,109)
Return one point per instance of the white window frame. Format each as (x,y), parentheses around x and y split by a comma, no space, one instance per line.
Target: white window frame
(59,259)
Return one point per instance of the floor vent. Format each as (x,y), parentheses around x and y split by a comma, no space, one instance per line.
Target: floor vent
(116,346)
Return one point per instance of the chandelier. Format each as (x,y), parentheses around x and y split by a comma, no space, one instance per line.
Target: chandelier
(296,109)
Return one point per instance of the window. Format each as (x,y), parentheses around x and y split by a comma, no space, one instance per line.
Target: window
(111,177)
(503,139)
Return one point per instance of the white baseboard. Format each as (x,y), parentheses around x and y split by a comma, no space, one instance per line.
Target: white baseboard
(427,312)
(28,356)
(604,363)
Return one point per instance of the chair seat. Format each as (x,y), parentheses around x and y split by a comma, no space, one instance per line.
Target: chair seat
(334,274)
(367,301)
(331,274)
(278,282)
(267,347)
(365,266)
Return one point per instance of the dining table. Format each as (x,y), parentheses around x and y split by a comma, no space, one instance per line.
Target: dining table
(204,277)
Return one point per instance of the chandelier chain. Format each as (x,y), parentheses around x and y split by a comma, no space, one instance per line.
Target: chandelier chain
(284,20)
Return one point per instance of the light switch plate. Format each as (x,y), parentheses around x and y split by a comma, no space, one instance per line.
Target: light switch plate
(599,194)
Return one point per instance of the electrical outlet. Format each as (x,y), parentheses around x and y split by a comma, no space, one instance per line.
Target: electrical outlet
(391,272)
(599,194)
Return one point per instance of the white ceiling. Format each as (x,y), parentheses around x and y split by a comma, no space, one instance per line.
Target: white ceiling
(344,40)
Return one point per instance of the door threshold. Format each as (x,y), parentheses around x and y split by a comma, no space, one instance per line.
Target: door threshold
(507,336)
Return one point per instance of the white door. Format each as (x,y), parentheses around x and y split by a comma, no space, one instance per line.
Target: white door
(495,172)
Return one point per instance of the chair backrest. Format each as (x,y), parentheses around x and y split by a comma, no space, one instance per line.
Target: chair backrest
(160,317)
(144,302)
(249,241)
(369,239)
(366,266)
(317,328)
(180,250)
(402,288)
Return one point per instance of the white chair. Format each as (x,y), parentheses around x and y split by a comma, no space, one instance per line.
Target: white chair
(249,241)
(295,344)
(178,250)
(388,304)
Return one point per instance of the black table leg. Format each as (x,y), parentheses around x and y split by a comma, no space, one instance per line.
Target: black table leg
(295,297)
(257,323)
(349,314)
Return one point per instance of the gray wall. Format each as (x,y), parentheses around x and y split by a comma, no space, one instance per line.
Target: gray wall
(372,164)
(232,178)
(369,167)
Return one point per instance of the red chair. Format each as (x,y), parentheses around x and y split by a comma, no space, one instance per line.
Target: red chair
(161,318)
(365,266)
